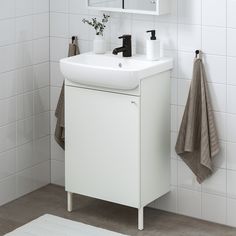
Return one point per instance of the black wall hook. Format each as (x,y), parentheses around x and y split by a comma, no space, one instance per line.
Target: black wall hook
(73,39)
(197,52)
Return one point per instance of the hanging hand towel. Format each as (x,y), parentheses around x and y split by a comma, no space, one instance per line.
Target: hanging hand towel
(197,141)
(60,110)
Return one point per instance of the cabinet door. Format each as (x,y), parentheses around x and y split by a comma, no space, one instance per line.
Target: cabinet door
(103,145)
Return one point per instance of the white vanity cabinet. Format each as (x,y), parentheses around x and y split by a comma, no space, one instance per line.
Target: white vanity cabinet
(118,142)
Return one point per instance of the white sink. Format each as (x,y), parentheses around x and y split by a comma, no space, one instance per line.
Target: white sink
(110,71)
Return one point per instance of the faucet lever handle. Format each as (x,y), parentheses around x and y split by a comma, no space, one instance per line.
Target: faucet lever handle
(125,36)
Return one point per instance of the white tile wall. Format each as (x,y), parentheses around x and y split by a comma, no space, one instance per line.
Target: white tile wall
(209,25)
(24,96)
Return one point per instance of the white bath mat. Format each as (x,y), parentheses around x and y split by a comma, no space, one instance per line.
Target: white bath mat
(49,225)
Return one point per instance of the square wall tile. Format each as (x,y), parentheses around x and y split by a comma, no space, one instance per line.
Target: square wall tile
(174,118)
(41,6)
(25,131)
(7,137)
(215,67)
(231,99)
(58,172)
(216,184)
(24,158)
(214,12)
(41,75)
(7,9)
(25,105)
(41,50)
(174,172)
(24,28)
(42,125)
(24,182)
(231,18)
(59,25)
(186,178)
(220,160)
(174,91)
(25,80)
(189,37)
(41,26)
(168,202)
(41,100)
(189,202)
(214,40)
(42,150)
(78,7)
(218,96)
(23,7)
(173,143)
(24,54)
(8,86)
(8,61)
(7,190)
(231,212)
(231,47)
(58,48)
(8,163)
(189,11)
(220,119)
(167,33)
(185,65)
(59,5)
(183,91)
(8,32)
(209,210)
(231,72)
(8,111)
(231,178)
(56,76)
(231,160)
(57,153)
(41,175)
(231,128)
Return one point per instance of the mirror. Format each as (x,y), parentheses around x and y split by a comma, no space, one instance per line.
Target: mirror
(153,7)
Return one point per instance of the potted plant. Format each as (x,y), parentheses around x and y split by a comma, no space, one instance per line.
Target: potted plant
(99,44)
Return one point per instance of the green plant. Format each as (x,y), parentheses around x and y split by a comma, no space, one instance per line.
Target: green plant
(97,25)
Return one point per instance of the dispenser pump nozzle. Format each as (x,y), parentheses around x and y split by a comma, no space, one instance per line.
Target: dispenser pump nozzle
(153,32)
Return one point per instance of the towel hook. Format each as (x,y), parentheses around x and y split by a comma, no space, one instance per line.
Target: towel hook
(74,38)
(197,53)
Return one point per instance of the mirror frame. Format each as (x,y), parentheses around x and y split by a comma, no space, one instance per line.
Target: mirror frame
(110,9)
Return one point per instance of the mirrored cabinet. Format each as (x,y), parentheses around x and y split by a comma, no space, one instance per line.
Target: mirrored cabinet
(151,7)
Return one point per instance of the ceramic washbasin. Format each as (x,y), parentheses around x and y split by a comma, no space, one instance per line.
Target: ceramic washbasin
(110,71)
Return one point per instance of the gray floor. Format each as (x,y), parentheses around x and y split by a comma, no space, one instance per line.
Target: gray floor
(52,200)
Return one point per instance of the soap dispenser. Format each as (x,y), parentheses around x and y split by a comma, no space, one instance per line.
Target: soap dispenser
(153,47)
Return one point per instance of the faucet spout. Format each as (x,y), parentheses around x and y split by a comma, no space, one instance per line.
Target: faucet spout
(118,50)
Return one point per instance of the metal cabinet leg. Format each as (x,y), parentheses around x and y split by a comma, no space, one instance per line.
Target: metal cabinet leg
(140,219)
(69,201)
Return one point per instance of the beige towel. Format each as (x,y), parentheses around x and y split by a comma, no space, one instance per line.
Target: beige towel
(198,142)
(60,110)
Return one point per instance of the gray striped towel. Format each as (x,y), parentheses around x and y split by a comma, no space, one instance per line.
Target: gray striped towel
(197,141)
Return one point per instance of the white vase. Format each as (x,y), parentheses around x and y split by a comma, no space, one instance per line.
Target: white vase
(99,44)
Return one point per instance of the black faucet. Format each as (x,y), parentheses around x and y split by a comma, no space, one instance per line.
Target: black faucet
(126,49)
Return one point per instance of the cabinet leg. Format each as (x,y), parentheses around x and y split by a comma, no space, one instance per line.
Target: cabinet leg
(69,201)
(140,218)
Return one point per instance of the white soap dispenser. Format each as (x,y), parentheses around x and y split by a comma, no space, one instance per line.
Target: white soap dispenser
(153,47)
